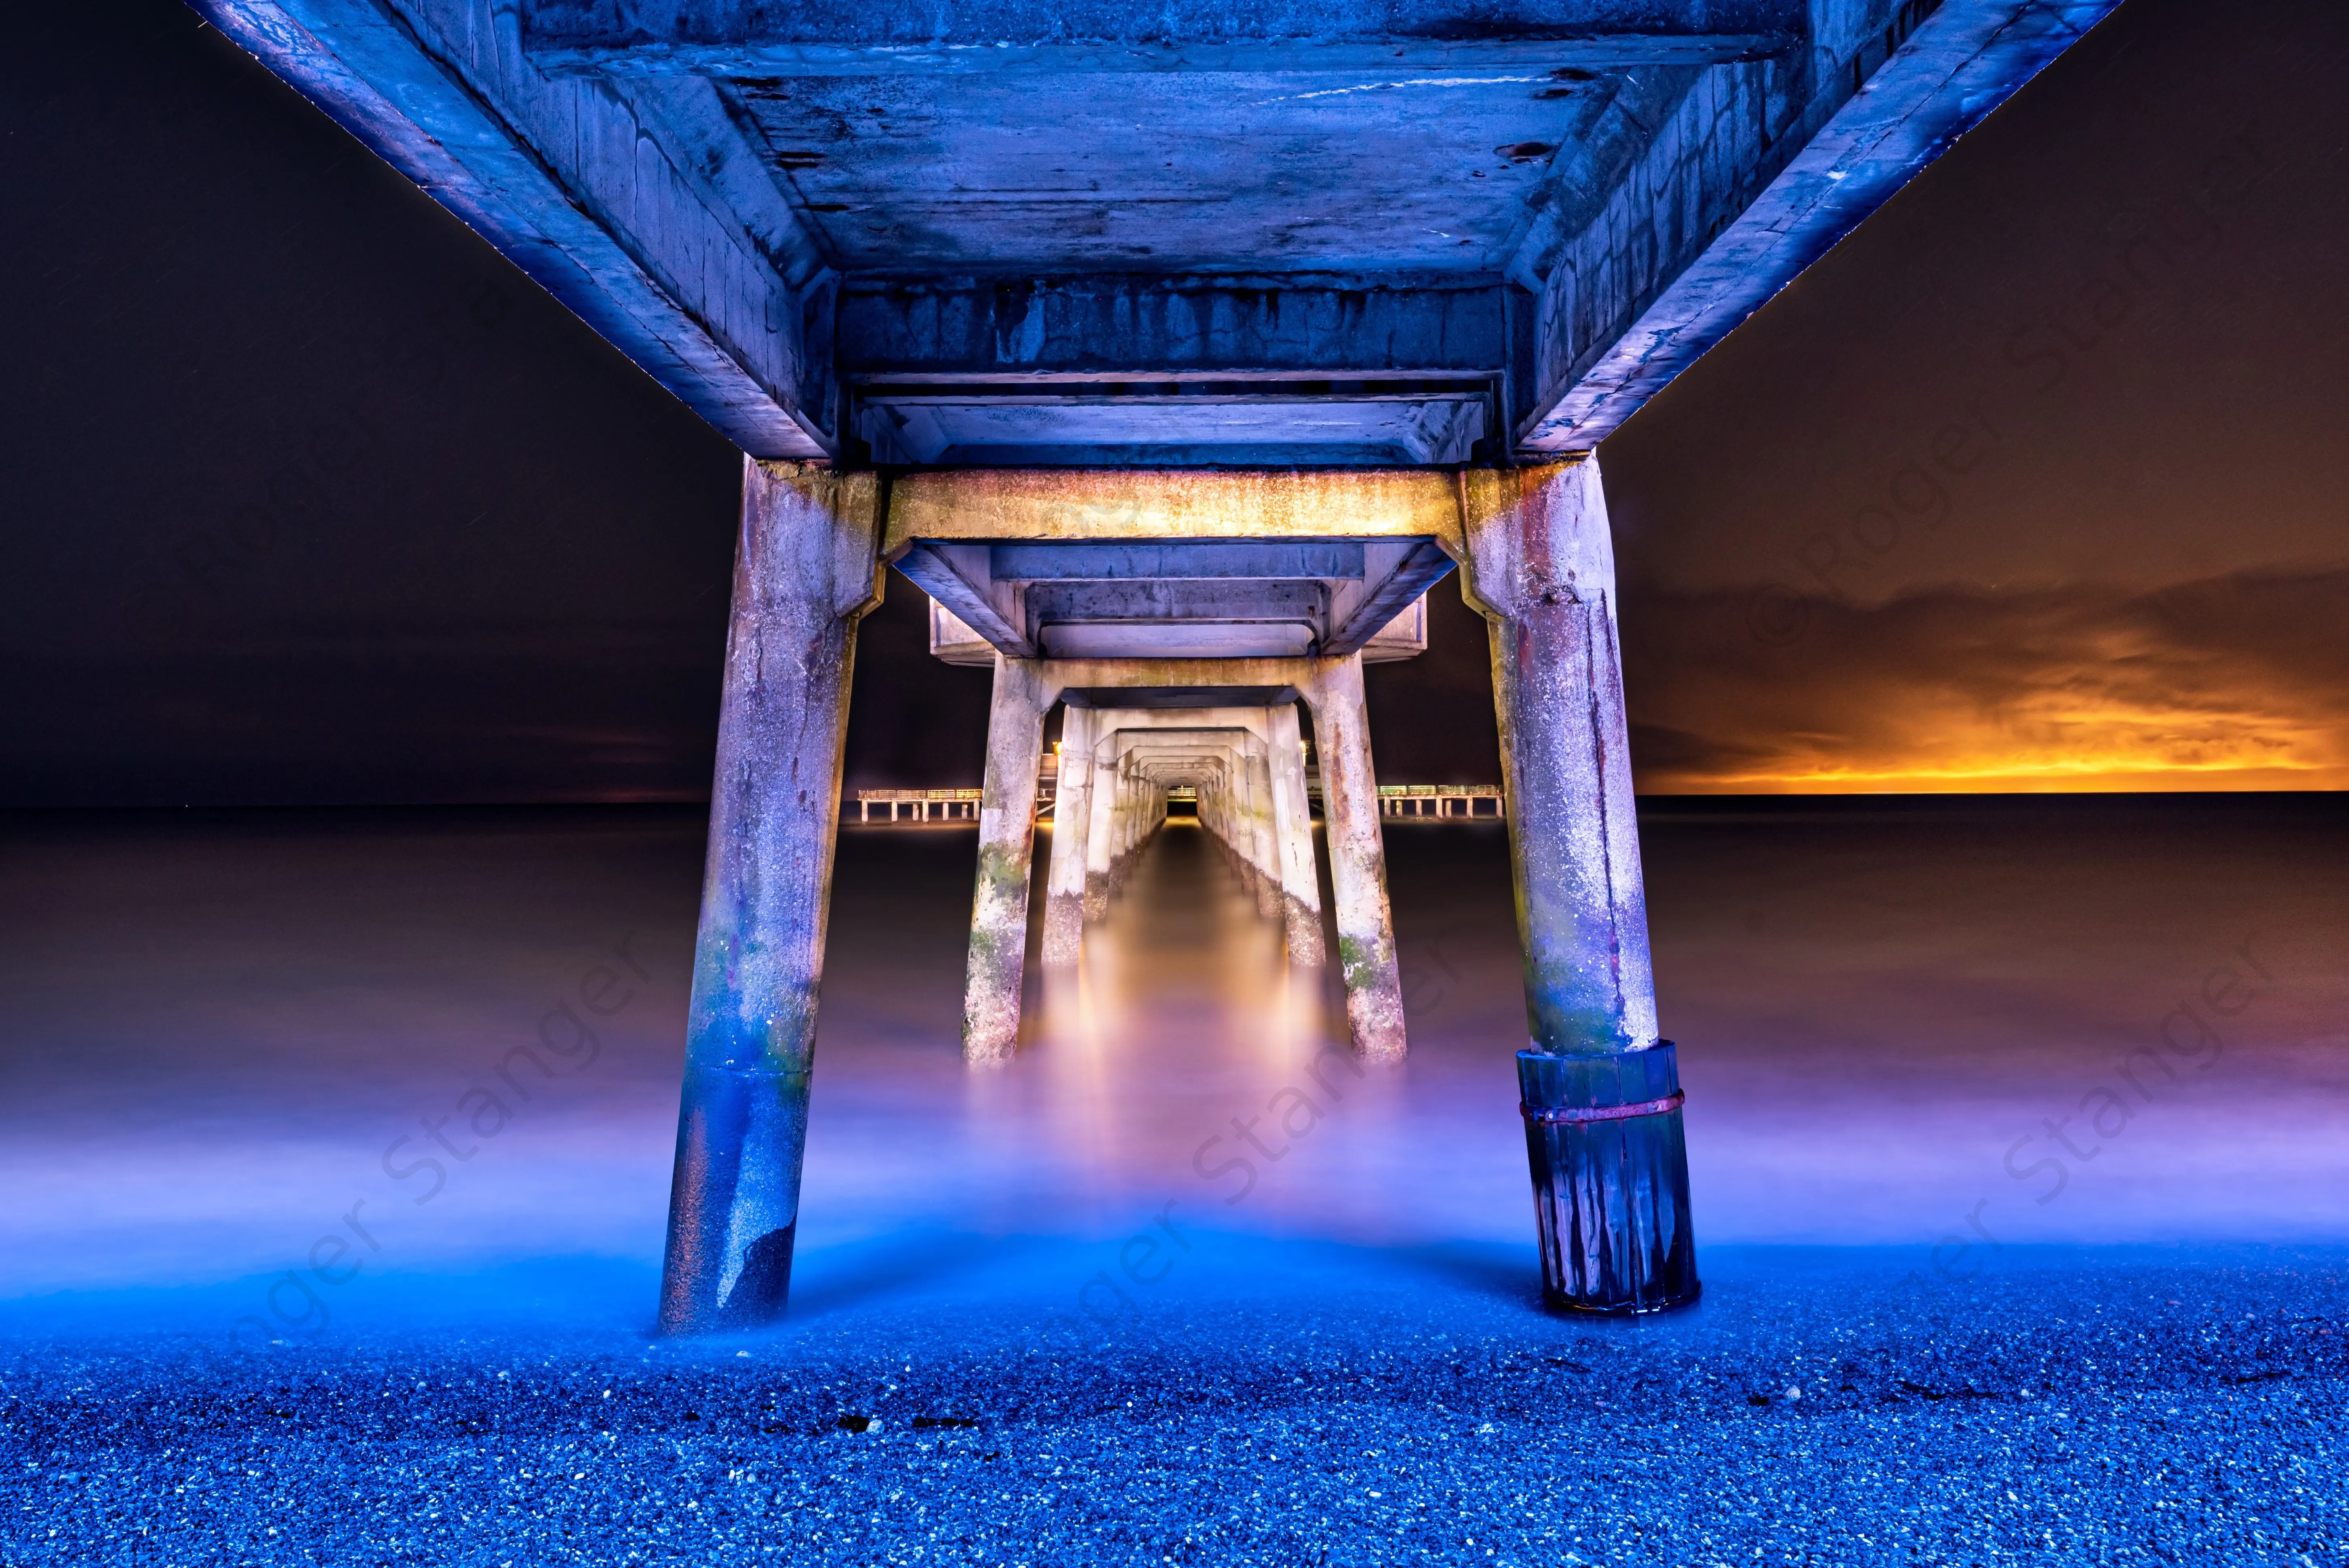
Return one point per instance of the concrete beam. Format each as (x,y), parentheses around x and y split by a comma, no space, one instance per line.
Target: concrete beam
(752,39)
(1239,558)
(1416,568)
(1305,601)
(1134,330)
(1173,370)
(957,577)
(1163,505)
(1267,425)
(1739,190)
(1155,698)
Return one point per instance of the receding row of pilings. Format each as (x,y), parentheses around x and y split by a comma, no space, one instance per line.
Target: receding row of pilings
(1600,1093)
(1117,768)
(1245,767)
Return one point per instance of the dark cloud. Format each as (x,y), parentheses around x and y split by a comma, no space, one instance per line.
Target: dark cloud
(2235,681)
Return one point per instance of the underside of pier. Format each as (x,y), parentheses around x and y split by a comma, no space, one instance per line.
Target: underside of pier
(1174,352)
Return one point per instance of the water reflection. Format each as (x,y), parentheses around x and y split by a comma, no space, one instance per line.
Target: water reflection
(216,1026)
(1184,1005)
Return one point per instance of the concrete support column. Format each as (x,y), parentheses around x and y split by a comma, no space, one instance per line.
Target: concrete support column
(1122,839)
(1292,817)
(1006,836)
(1128,809)
(1108,814)
(1357,867)
(1602,1090)
(805,569)
(1263,843)
(1230,813)
(1072,811)
(1226,822)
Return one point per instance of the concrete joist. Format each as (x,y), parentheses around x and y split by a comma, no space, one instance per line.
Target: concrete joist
(737,36)
(1256,250)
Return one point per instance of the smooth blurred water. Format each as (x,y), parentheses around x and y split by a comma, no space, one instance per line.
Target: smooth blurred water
(218,1027)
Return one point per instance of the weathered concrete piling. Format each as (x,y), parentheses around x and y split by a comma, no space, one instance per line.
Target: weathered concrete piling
(1072,810)
(1358,864)
(1292,815)
(1006,836)
(1611,1194)
(805,568)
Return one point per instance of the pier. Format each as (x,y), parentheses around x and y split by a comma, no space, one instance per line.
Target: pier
(1175,357)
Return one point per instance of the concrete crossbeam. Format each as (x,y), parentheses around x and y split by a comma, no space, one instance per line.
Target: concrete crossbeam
(1410,36)
(1160,598)
(1152,504)
(1127,329)
(1270,57)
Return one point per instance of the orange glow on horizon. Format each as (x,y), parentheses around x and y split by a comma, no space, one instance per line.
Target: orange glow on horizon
(1926,743)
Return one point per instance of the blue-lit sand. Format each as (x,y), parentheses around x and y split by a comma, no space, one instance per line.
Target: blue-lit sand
(219,1029)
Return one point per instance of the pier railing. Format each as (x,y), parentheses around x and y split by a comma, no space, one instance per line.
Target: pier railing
(1433,801)
(1483,800)
(919,804)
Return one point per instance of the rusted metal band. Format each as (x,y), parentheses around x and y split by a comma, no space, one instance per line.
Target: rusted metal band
(1555,1115)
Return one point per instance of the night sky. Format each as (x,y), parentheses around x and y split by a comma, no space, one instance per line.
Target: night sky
(2036,482)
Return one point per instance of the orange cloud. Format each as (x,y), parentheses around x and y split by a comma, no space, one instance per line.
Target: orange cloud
(2231,683)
